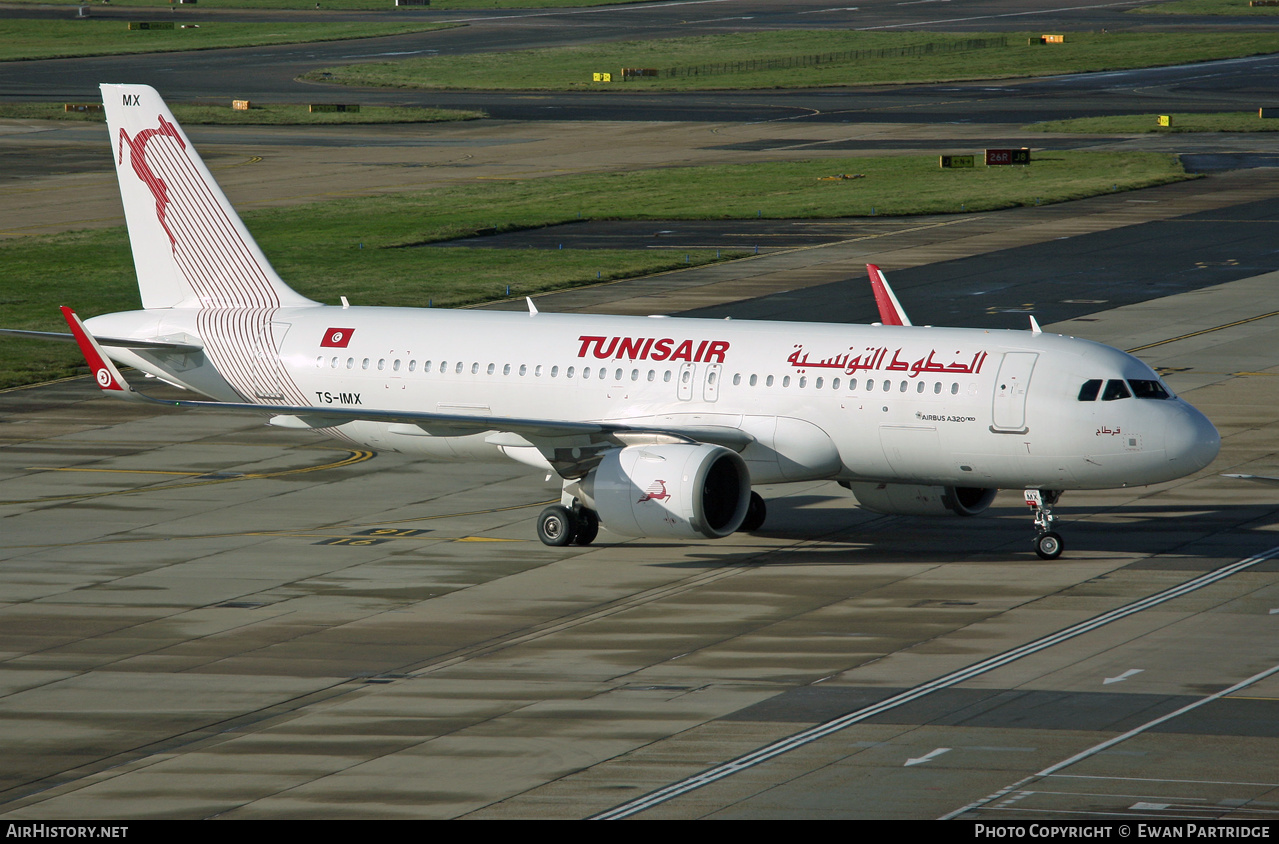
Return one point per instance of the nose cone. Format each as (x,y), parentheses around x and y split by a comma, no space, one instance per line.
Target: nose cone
(1192,441)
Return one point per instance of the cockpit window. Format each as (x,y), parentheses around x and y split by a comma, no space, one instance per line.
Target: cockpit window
(1090,389)
(1115,389)
(1148,389)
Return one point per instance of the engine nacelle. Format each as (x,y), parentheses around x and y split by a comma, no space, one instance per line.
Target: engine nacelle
(915,500)
(675,490)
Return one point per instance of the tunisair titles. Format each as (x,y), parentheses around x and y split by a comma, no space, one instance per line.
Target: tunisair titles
(652,348)
(871,359)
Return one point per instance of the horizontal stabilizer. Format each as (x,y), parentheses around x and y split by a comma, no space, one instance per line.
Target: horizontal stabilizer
(112,342)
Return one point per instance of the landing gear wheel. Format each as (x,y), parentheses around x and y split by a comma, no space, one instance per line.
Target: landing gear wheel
(588,527)
(1049,545)
(756,512)
(556,526)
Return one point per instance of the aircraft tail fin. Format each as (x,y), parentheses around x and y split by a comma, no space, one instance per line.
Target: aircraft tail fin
(190,248)
(890,310)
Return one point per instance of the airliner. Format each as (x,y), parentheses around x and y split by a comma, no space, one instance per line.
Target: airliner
(653,426)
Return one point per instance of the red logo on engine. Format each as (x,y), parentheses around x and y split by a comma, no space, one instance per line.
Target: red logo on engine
(656,492)
(337,338)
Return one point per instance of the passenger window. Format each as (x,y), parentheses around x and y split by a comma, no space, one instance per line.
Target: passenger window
(737,379)
(768,382)
(954,389)
(492,368)
(458,368)
(523,369)
(1148,389)
(1090,389)
(834,384)
(1115,389)
(754,380)
(870,385)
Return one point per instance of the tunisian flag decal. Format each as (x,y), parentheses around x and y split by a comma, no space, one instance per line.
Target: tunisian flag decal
(337,338)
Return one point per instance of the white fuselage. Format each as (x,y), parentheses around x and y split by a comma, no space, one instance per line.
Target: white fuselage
(962,407)
(657,427)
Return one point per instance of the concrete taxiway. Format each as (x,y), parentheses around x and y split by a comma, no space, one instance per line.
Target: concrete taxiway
(203,617)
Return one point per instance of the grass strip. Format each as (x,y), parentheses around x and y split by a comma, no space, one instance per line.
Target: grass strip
(357,246)
(351,5)
(277,114)
(1206,7)
(572,68)
(1126,124)
(51,39)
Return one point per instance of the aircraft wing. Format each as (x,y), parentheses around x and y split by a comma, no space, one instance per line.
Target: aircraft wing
(572,448)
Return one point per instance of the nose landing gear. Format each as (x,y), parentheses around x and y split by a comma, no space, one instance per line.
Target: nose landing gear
(1048,543)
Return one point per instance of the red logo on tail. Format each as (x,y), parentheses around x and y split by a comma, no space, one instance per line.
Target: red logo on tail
(138,158)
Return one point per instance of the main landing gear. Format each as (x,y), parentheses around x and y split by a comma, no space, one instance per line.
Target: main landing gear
(558,526)
(1048,543)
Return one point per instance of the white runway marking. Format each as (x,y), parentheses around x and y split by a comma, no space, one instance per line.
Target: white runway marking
(1094,750)
(927,757)
(820,731)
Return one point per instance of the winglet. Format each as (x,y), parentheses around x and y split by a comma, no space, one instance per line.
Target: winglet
(104,371)
(890,310)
